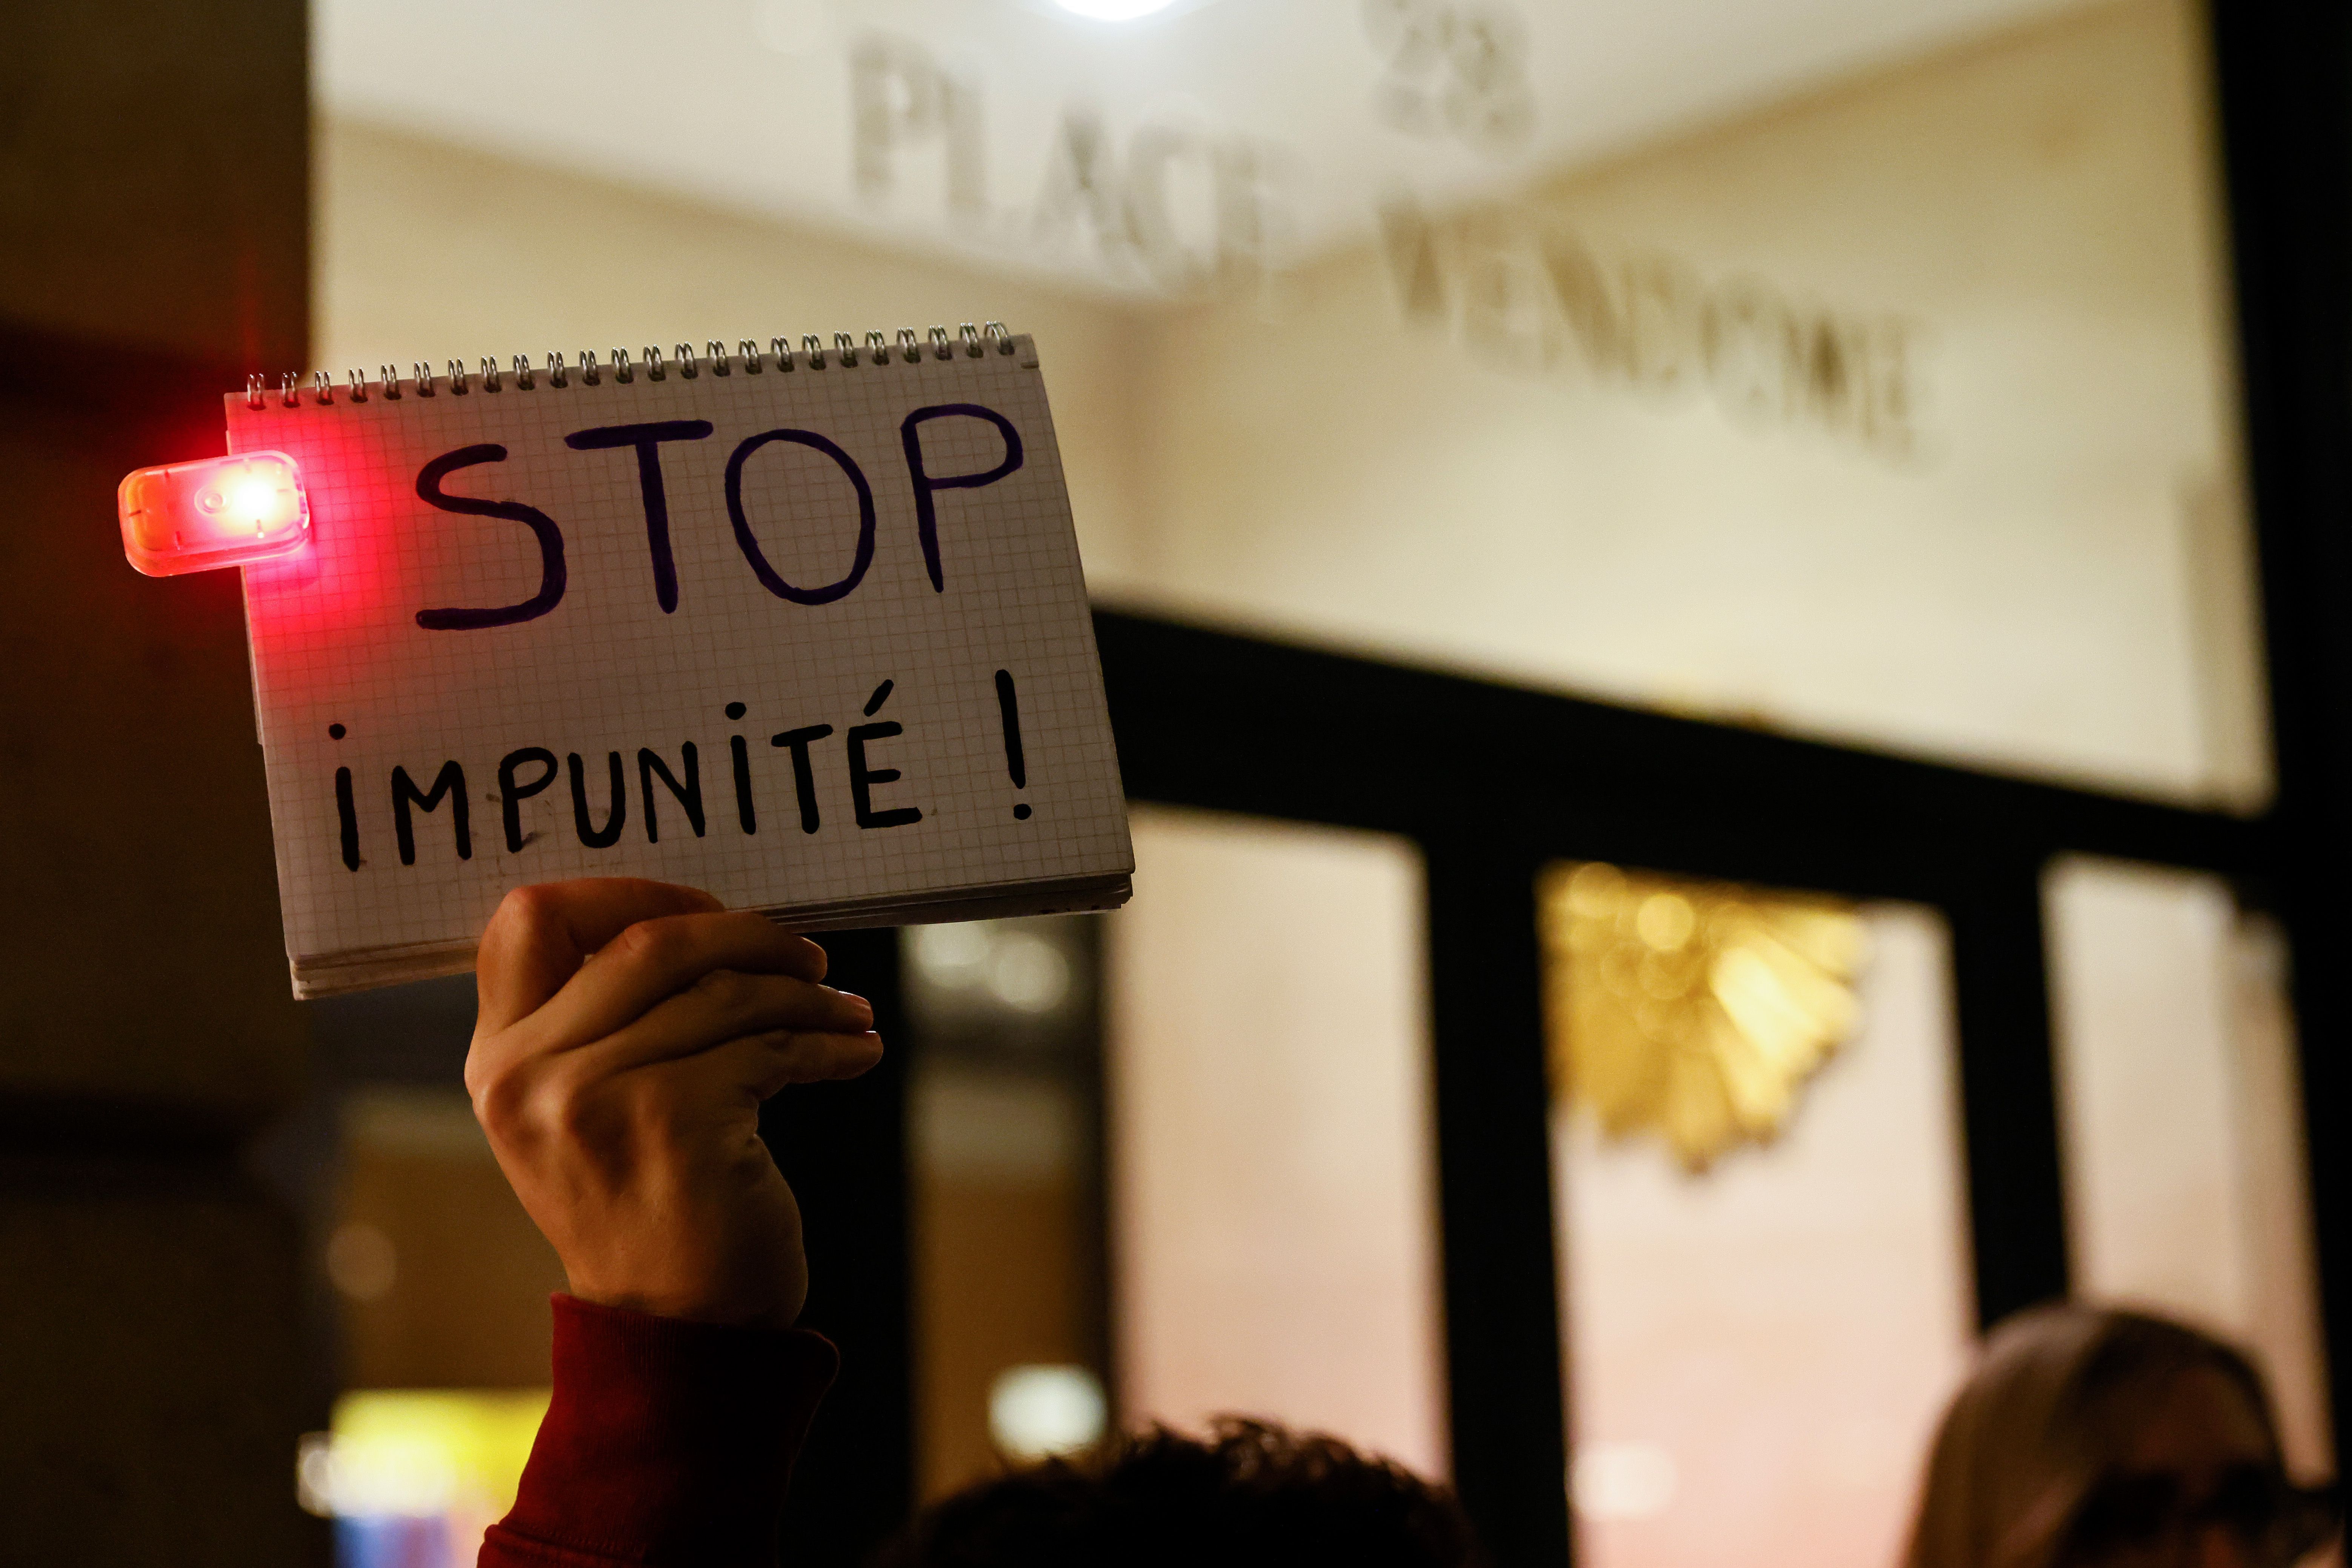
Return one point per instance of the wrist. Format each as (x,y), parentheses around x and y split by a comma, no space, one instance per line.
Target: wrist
(775,1309)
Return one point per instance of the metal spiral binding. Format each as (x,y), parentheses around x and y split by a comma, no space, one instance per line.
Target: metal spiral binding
(847,351)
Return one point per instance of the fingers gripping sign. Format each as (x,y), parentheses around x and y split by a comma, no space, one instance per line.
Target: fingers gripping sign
(628,1031)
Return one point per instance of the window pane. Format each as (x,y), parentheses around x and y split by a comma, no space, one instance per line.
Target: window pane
(2182,1115)
(1760,1344)
(1004,1112)
(1272,1172)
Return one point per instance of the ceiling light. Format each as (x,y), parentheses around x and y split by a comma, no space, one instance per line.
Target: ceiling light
(1115,10)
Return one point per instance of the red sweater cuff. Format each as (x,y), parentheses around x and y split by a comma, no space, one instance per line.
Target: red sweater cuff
(667,1442)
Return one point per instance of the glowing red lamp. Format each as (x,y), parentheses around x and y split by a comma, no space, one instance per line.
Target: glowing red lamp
(217,511)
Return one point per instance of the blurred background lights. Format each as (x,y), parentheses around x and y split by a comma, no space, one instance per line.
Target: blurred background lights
(412,1477)
(1115,10)
(1622,1480)
(1006,964)
(1029,974)
(1036,1412)
(952,956)
(361,1261)
(407,1475)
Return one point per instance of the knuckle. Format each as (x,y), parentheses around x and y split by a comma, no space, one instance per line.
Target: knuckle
(526,909)
(502,1101)
(653,944)
(727,991)
(566,1107)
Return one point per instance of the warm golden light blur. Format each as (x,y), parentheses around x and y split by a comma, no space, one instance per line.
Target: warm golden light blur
(430,1468)
(1694,1010)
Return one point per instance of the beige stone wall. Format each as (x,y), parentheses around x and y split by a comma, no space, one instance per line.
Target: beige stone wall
(1452,469)
(2009,535)
(428,250)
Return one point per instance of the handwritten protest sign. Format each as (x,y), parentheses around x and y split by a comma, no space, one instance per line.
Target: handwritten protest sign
(809,631)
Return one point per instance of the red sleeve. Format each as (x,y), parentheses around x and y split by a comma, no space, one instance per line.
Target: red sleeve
(667,1442)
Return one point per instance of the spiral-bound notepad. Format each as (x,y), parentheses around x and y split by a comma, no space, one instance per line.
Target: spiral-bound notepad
(805,627)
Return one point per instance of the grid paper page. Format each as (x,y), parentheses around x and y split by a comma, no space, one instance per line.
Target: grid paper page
(703,703)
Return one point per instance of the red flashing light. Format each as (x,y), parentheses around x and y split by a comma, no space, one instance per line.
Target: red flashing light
(218,511)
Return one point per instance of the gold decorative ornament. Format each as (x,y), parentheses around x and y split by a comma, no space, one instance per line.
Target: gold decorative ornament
(1695,1010)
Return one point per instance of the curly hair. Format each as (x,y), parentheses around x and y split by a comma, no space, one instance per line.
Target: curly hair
(1250,1494)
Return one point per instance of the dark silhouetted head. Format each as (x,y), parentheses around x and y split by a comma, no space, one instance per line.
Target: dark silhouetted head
(1251,1495)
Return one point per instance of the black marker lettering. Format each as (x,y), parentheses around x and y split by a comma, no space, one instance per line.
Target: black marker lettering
(350,817)
(450,781)
(927,521)
(603,837)
(649,766)
(803,775)
(1008,711)
(862,779)
(743,813)
(647,440)
(1008,714)
(512,794)
(748,542)
(881,694)
(551,543)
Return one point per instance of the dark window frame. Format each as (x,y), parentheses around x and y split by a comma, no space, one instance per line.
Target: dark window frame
(1492,782)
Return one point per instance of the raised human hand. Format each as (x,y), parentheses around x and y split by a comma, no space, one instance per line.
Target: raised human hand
(628,1031)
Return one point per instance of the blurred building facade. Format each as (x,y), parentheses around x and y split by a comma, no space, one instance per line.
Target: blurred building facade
(1896,410)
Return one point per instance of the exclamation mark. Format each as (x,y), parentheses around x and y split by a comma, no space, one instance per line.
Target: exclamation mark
(1008,707)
